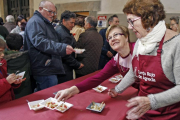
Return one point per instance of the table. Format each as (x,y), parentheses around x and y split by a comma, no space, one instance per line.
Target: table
(115,108)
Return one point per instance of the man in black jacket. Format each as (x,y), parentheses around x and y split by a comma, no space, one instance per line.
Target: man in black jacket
(45,50)
(69,62)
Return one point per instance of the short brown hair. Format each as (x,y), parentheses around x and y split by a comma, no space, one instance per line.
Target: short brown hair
(2,43)
(124,30)
(150,11)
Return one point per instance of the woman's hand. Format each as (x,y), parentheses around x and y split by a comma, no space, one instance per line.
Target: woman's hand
(112,92)
(139,106)
(19,81)
(11,78)
(66,93)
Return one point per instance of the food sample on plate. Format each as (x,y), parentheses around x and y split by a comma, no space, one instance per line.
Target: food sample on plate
(79,51)
(62,107)
(114,79)
(94,106)
(51,105)
(99,88)
(119,76)
(35,106)
(18,77)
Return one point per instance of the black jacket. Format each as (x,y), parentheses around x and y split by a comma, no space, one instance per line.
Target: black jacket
(19,61)
(64,35)
(45,50)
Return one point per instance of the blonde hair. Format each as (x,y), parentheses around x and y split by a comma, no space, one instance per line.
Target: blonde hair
(124,30)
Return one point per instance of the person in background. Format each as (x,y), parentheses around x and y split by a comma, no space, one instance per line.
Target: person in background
(155,64)
(22,27)
(174,24)
(7,83)
(64,36)
(18,61)
(45,50)
(92,42)
(19,20)
(1,21)
(107,52)
(118,38)
(3,31)
(78,28)
(9,23)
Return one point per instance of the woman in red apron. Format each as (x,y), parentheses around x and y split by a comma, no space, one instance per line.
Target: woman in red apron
(154,64)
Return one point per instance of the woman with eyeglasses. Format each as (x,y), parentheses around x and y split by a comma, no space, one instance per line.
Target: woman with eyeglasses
(155,64)
(118,38)
(174,24)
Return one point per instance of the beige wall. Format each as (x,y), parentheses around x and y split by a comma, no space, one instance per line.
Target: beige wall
(3,9)
(107,7)
(116,6)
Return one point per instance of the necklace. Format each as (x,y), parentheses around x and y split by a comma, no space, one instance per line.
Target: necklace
(123,69)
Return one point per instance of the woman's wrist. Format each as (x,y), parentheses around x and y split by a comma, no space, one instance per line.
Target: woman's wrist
(152,101)
(73,90)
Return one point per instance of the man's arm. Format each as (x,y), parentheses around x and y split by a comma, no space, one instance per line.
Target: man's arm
(37,36)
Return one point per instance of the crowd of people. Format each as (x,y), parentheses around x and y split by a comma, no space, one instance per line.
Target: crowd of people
(43,47)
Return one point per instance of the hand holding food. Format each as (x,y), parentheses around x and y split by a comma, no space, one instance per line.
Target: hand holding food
(67,93)
(19,81)
(69,50)
(11,78)
(112,92)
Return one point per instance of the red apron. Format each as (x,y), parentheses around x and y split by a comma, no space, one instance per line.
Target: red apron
(152,79)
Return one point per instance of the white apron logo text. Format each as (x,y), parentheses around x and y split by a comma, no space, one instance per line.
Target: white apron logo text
(147,76)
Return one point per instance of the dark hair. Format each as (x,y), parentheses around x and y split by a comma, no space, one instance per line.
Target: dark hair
(79,21)
(1,21)
(150,11)
(14,41)
(22,26)
(111,18)
(66,15)
(2,43)
(91,20)
(176,19)
(19,18)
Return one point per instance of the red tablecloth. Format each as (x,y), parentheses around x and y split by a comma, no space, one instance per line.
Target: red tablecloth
(115,108)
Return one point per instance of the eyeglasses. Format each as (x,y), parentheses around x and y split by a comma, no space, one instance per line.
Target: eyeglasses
(114,36)
(172,24)
(51,12)
(131,22)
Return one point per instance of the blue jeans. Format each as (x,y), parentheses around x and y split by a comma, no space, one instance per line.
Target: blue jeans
(44,82)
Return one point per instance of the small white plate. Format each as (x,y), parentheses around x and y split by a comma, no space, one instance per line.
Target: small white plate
(114,80)
(50,102)
(100,88)
(36,105)
(60,108)
(20,76)
(98,104)
(79,51)
(119,77)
